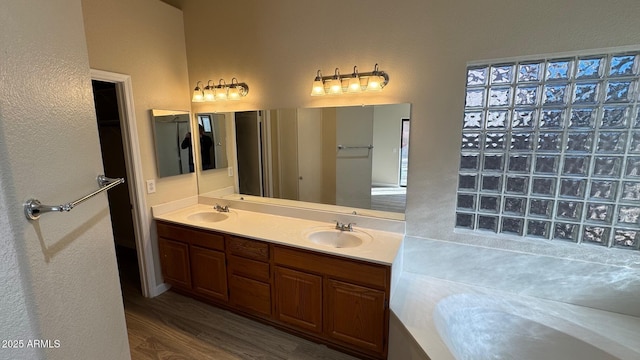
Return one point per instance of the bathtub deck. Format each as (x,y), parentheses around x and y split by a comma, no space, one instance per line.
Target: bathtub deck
(417,296)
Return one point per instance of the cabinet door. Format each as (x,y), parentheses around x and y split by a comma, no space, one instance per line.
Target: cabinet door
(299,299)
(209,273)
(250,295)
(356,315)
(174,260)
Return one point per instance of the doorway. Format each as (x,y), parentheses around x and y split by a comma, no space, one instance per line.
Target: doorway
(248,127)
(109,124)
(133,161)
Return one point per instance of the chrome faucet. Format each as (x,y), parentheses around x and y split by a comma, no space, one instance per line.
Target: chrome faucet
(344,227)
(219,208)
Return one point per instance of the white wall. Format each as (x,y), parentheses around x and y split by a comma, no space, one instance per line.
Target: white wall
(58,275)
(354,128)
(277,47)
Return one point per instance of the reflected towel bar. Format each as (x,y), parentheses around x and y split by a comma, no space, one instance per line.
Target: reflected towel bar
(345,147)
(33,208)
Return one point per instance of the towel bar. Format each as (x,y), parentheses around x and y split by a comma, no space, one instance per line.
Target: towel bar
(346,147)
(33,207)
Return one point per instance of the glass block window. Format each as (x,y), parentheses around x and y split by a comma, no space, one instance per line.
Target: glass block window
(550,149)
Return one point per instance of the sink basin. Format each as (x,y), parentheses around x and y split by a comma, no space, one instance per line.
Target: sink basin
(338,239)
(208,216)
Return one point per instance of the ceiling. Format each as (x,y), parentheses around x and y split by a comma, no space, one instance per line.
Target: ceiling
(174,3)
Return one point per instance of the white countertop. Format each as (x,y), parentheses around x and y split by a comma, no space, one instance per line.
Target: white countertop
(382,248)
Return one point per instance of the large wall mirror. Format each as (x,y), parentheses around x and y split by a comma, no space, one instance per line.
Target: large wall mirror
(173,146)
(353,156)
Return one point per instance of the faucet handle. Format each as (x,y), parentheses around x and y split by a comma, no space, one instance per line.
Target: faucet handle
(219,208)
(350,226)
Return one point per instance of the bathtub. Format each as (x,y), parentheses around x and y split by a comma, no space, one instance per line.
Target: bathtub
(486,326)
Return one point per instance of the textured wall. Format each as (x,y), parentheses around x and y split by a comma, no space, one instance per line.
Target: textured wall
(61,270)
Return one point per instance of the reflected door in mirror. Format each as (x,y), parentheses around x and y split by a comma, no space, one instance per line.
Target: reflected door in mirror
(173,146)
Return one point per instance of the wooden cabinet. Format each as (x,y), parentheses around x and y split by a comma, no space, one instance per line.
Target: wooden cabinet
(355,315)
(298,299)
(331,299)
(209,273)
(174,257)
(193,260)
(354,295)
(249,275)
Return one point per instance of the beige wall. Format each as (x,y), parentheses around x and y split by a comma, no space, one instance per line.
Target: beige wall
(58,275)
(277,46)
(387,139)
(144,39)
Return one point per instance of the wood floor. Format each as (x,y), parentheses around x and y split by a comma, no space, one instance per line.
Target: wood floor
(393,201)
(174,327)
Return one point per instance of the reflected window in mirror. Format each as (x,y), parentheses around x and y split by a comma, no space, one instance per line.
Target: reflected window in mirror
(404,153)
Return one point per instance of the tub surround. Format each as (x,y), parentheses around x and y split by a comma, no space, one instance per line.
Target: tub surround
(612,288)
(449,294)
(443,316)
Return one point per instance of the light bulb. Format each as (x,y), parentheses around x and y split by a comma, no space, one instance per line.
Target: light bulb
(335,86)
(221,93)
(318,88)
(354,84)
(208,93)
(234,93)
(374,83)
(198,96)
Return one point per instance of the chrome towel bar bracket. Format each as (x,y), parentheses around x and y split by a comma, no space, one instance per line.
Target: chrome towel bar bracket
(33,207)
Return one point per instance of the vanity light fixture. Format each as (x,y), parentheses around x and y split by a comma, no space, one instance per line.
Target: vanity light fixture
(376,80)
(335,84)
(209,92)
(234,90)
(198,94)
(220,92)
(318,85)
(354,83)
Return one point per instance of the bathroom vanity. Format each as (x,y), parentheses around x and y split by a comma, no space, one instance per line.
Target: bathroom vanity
(318,292)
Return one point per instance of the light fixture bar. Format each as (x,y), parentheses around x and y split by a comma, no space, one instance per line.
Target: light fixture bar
(371,81)
(220,92)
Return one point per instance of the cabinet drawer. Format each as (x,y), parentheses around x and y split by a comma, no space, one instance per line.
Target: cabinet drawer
(251,295)
(352,270)
(205,239)
(252,269)
(252,249)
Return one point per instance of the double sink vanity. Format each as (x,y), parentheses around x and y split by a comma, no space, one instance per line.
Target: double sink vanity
(302,271)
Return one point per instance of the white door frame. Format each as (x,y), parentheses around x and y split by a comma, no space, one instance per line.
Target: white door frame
(133,163)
